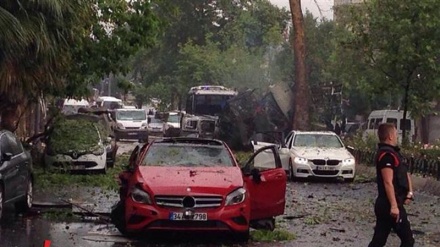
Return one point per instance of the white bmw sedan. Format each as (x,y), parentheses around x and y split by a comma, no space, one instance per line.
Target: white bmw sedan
(315,154)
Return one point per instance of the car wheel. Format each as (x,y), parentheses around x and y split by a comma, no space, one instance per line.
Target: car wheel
(24,205)
(241,237)
(350,180)
(117,217)
(291,174)
(104,170)
(1,201)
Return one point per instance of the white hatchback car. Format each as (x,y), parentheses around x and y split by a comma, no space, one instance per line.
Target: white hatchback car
(315,154)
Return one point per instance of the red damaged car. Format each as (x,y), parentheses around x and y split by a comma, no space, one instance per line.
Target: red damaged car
(191,184)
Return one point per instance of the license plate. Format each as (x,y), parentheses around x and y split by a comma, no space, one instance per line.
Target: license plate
(131,134)
(78,167)
(325,168)
(194,216)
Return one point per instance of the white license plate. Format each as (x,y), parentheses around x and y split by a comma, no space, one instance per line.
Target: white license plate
(195,216)
(78,167)
(325,168)
(131,134)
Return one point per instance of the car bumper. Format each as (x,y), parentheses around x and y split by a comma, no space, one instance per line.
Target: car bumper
(131,134)
(83,162)
(343,171)
(142,218)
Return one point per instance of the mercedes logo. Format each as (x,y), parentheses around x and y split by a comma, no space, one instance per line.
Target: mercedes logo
(75,155)
(188,202)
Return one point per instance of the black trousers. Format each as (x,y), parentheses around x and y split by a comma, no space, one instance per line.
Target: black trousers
(384,224)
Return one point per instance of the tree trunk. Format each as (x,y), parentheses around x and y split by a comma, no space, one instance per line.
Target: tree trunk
(301,88)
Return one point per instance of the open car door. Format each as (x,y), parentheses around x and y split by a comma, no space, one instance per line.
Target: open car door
(265,139)
(265,180)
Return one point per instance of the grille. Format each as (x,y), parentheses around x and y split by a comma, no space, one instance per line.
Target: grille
(319,162)
(199,201)
(75,163)
(325,173)
(131,128)
(324,162)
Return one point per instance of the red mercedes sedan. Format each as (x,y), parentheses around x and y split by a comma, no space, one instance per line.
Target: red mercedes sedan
(192,184)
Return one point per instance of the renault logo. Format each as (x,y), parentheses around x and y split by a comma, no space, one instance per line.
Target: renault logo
(75,155)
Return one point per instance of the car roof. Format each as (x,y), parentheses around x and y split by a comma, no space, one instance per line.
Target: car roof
(190,140)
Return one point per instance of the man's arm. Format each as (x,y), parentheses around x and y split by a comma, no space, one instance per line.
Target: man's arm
(410,195)
(387,175)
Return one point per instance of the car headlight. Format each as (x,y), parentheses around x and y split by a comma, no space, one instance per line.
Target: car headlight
(300,161)
(348,162)
(140,196)
(98,151)
(235,197)
(120,126)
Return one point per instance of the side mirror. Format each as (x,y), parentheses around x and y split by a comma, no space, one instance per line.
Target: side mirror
(6,157)
(350,148)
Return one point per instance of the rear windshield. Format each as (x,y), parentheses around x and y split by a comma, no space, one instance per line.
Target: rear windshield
(189,155)
(131,115)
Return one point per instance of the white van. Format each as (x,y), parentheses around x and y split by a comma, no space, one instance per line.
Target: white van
(71,106)
(131,124)
(390,116)
(109,102)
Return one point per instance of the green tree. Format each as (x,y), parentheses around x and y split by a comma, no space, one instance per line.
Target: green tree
(59,46)
(401,40)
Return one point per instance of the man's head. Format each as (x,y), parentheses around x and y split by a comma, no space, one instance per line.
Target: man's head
(387,133)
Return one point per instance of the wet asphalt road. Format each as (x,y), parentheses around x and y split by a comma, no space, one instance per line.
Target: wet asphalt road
(323,213)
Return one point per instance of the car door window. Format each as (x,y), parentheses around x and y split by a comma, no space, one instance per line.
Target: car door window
(265,160)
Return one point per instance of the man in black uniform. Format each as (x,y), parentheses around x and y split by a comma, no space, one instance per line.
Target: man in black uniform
(395,189)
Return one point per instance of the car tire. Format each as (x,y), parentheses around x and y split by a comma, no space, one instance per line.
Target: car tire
(117,217)
(104,170)
(25,204)
(241,237)
(291,174)
(349,180)
(2,199)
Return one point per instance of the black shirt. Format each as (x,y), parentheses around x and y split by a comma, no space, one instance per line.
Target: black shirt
(389,157)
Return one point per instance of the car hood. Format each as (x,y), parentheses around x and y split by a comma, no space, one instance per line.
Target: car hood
(321,153)
(176,180)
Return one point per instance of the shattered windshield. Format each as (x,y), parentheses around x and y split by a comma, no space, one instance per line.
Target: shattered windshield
(190,155)
(317,140)
(131,115)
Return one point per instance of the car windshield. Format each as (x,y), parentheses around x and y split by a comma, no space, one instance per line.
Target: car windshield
(173,119)
(190,155)
(317,140)
(131,115)
(155,120)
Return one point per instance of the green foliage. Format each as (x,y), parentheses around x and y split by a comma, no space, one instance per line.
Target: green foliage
(76,135)
(401,41)
(271,236)
(47,179)
(59,47)
(243,157)
(231,49)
